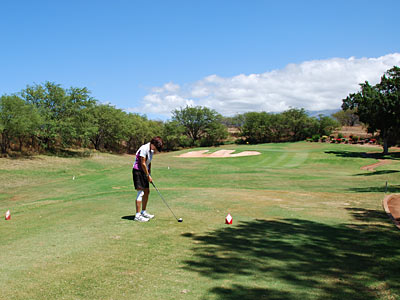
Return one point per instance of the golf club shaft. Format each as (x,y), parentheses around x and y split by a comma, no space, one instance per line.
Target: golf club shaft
(164,200)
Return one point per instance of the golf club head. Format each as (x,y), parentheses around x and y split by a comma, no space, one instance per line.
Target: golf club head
(180,220)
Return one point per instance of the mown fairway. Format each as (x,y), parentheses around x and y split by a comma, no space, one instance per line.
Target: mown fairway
(307,224)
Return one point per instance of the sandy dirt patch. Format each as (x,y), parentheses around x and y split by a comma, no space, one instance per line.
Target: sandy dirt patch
(391,204)
(219,153)
(375,165)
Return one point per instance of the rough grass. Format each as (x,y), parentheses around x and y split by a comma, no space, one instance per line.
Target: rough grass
(307,224)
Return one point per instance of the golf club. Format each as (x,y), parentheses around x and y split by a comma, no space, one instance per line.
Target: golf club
(180,219)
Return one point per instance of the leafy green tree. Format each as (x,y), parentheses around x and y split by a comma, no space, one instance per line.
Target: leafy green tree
(215,133)
(346,117)
(256,127)
(299,125)
(87,127)
(200,123)
(379,107)
(291,125)
(18,120)
(76,116)
(236,121)
(64,112)
(45,99)
(155,128)
(108,129)
(137,131)
(327,125)
(276,128)
(174,136)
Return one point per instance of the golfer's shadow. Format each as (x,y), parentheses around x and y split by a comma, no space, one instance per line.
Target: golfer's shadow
(130,218)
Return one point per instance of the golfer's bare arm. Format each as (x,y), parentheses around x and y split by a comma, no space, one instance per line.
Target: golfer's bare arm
(144,168)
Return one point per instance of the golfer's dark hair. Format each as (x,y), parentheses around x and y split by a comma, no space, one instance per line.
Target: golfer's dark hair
(157,142)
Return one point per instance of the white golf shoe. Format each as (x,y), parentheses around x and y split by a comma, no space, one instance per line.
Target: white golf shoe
(141,219)
(147,215)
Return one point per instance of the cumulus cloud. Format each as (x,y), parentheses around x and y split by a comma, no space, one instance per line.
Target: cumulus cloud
(312,85)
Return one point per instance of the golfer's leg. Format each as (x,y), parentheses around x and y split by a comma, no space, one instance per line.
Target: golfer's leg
(139,199)
(145,198)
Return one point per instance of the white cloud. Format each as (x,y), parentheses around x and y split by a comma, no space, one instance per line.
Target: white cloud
(168,87)
(312,85)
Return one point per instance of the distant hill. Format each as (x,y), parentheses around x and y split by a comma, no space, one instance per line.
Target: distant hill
(327,112)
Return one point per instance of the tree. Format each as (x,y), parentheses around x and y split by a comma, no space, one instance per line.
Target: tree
(18,120)
(136,134)
(64,112)
(76,116)
(257,127)
(174,136)
(346,117)
(215,132)
(236,121)
(299,125)
(327,125)
(45,99)
(109,127)
(289,126)
(200,123)
(379,107)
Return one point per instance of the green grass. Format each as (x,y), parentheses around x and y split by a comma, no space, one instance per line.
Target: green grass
(307,224)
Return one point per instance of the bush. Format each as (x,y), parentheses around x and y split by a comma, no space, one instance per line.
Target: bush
(315,137)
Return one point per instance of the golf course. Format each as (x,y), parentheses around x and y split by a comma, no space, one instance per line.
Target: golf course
(308,223)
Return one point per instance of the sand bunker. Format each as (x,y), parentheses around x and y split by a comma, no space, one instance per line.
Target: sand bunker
(219,153)
(391,204)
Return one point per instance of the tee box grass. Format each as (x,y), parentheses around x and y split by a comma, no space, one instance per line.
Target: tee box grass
(307,224)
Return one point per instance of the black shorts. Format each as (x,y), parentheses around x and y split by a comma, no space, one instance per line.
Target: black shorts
(140,179)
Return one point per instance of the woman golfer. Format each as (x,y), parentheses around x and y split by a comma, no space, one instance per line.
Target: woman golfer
(141,176)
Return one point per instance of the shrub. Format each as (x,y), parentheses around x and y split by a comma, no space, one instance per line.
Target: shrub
(315,137)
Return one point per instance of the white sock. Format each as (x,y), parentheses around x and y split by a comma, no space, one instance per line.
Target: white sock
(137,215)
(143,211)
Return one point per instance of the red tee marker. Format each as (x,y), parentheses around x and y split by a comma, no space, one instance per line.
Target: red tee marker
(228,219)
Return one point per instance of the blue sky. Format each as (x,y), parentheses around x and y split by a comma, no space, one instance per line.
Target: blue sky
(151,57)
